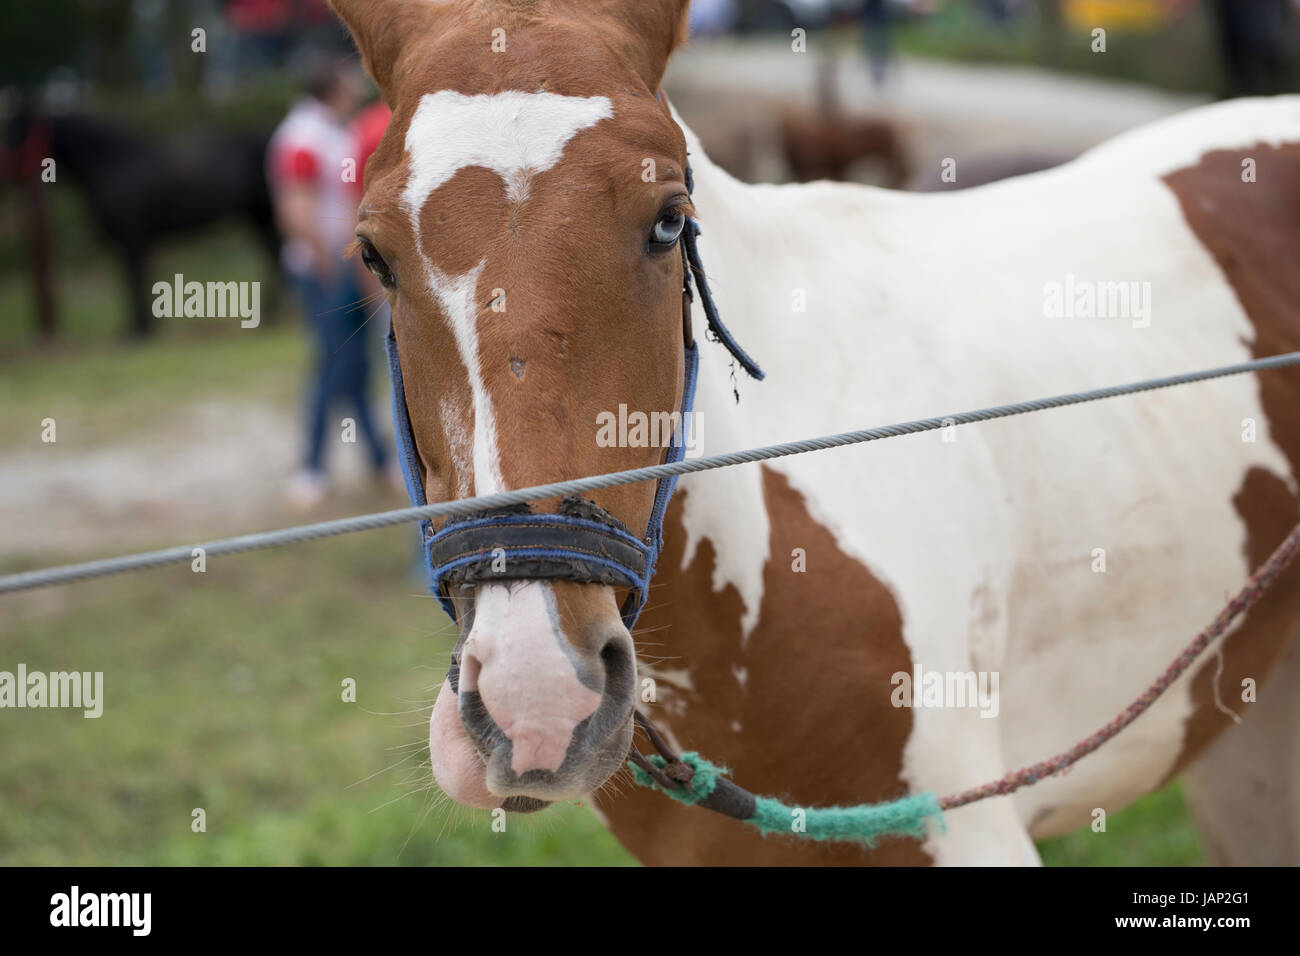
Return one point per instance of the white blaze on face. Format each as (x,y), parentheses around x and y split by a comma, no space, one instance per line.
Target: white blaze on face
(455,417)
(518,660)
(456,295)
(516,135)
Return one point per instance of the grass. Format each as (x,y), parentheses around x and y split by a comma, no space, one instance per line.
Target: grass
(1154,831)
(223,691)
(117,389)
(1180,55)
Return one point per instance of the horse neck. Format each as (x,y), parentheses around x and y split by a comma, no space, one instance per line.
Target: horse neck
(760,243)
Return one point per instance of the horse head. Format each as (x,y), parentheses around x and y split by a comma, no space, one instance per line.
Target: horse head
(524,213)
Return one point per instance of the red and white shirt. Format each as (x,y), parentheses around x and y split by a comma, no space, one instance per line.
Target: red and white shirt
(311,147)
(367,130)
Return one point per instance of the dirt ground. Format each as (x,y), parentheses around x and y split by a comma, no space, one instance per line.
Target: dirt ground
(211,469)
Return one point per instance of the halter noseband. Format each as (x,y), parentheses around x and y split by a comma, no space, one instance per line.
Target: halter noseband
(581,542)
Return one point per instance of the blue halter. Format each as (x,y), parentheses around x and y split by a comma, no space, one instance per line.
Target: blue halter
(581,542)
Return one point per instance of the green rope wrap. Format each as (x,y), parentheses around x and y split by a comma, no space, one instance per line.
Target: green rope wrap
(700,786)
(865,823)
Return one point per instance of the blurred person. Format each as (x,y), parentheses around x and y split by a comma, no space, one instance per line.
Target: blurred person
(1258,44)
(1001,13)
(264,31)
(316,210)
(875,18)
(366,131)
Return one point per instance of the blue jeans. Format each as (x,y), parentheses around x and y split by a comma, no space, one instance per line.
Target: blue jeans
(341,373)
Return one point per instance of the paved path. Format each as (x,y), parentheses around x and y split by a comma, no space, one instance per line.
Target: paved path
(945,108)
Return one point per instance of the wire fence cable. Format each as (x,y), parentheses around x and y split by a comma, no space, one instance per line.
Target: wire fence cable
(30,580)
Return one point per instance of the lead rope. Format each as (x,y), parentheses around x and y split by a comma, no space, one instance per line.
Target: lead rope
(693,780)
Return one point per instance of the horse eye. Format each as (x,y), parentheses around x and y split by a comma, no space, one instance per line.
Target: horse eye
(375,263)
(668,229)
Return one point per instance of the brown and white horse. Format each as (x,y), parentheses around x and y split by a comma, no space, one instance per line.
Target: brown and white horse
(522,211)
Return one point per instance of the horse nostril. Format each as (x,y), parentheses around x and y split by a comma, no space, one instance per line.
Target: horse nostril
(620,669)
(616,653)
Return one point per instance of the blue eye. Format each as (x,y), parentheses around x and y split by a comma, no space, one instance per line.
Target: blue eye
(668,229)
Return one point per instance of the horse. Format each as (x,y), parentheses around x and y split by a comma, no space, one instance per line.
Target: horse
(525,212)
(825,142)
(141,191)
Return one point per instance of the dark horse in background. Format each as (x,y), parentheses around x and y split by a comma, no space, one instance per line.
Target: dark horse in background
(141,190)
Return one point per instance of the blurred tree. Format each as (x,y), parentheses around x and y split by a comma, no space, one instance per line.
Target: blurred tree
(182,19)
(1049,11)
(37,38)
(107,25)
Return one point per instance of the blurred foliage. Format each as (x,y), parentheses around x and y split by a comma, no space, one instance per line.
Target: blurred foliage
(39,37)
(257,105)
(1182,55)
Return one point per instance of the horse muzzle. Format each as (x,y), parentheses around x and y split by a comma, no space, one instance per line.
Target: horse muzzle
(535,710)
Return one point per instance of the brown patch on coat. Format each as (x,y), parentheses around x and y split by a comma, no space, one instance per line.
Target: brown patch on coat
(816,724)
(1253,231)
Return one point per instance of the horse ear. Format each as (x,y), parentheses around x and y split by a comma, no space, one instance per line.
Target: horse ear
(381,29)
(654,29)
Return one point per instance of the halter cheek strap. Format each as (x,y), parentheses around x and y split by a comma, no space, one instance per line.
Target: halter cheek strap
(581,542)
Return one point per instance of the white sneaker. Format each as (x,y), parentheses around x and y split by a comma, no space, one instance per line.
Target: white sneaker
(306,490)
